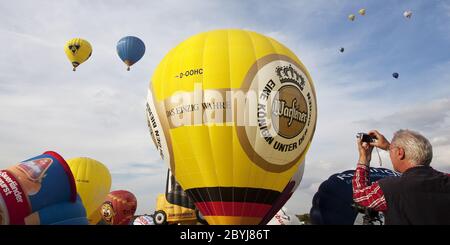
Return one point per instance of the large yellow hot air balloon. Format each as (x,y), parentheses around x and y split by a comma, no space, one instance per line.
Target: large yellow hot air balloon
(232,112)
(93,182)
(78,51)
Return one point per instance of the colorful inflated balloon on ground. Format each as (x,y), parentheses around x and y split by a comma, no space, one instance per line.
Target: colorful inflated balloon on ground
(232,112)
(130,50)
(332,204)
(65,213)
(93,182)
(78,51)
(119,207)
(40,191)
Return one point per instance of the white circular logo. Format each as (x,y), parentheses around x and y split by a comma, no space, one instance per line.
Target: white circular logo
(283,119)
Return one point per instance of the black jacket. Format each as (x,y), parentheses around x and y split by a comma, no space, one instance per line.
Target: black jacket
(421,196)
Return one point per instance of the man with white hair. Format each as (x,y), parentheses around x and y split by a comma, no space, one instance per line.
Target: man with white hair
(420,196)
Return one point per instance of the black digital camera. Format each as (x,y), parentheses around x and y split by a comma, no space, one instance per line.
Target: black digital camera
(365,137)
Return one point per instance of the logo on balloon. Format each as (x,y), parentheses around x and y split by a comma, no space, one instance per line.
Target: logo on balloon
(285,113)
(276,102)
(107,211)
(74,48)
(32,173)
(289,108)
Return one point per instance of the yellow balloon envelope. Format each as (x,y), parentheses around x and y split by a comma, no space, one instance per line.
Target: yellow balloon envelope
(93,182)
(362,11)
(232,112)
(351,17)
(78,51)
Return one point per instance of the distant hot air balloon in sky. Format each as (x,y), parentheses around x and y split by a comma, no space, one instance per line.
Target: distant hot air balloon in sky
(362,11)
(78,51)
(351,17)
(395,75)
(407,14)
(119,207)
(93,182)
(341,50)
(332,203)
(232,112)
(130,50)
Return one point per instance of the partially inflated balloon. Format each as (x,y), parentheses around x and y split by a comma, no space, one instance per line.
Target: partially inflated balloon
(119,207)
(332,204)
(78,51)
(93,182)
(66,213)
(40,191)
(130,50)
(232,112)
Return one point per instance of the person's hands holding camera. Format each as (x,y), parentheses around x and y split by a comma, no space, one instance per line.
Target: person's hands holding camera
(380,142)
(365,152)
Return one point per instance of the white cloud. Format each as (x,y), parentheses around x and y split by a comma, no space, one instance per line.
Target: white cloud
(431,119)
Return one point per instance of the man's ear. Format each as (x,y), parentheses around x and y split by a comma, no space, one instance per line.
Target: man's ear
(401,153)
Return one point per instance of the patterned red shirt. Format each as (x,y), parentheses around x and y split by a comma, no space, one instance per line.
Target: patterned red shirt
(365,195)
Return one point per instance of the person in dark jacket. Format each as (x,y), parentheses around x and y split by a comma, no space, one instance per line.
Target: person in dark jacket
(420,196)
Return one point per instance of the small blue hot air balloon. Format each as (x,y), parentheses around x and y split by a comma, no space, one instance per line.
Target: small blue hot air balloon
(395,75)
(130,50)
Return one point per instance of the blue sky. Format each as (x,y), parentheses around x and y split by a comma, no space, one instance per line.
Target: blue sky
(99,110)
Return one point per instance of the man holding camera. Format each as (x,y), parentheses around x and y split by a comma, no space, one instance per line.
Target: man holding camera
(421,196)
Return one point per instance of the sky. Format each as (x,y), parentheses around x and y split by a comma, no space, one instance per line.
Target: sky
(99,111)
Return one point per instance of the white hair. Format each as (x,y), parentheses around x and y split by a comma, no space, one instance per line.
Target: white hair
(418,149)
